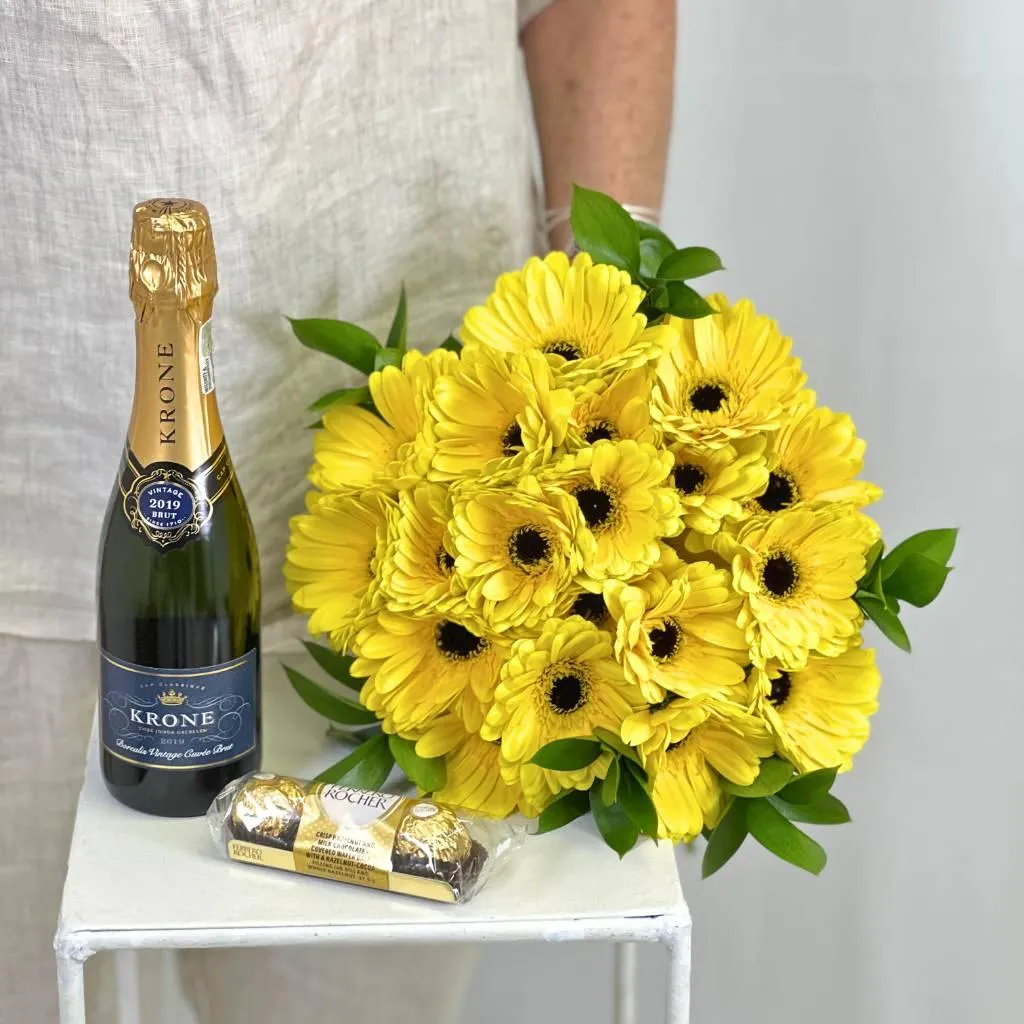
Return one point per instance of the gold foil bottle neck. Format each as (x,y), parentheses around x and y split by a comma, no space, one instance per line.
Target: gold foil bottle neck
(172,261)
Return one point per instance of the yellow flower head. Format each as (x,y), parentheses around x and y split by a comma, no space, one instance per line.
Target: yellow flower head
(494,413)
(622,491)
(797,572)
(729,376)
(417,667)
(819,715)
(683,745)
(613,410)
(714,483)
(676,631)
(539,786)
(418,574)
(474,779)
(815,456)
(516,549)
(334,558)
(582,316)
(356,449)
(561,683)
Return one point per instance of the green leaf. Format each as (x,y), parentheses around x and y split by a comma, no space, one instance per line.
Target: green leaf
(637,770)
(343,396)
(614,824)
(775,773)
(657,296)
(871,561)
(917,580)
(725,840)
(808,788)
(826,810)
(350,343)
(610,786)
(652,231)
(568,807)
(429,773)
(330,705)
(781,837)
(887,621)
(614,742)
(684,302)
(387,357)
(337,666)
(367,767)
(567,755)
(936,545)
(693,261)
(636,802)
(603,228)
(652,252)
(452,344)
(397,334)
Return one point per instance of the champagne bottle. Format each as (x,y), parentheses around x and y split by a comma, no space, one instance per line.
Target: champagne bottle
(179,590)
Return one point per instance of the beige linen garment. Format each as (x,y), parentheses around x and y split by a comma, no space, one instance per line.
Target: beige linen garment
(341,146)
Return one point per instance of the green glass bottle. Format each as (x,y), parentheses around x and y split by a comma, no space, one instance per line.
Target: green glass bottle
(179,584)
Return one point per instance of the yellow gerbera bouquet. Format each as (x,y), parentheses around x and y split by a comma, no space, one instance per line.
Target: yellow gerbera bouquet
(602,552)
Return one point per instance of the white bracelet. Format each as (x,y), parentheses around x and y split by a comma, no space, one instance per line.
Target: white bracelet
(559,215)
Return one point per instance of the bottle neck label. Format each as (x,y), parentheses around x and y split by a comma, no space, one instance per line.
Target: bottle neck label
(176,464)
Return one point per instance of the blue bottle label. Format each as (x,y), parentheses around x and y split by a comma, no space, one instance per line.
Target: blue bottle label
(178,718)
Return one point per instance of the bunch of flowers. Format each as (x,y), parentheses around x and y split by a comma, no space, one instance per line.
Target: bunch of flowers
(602,552)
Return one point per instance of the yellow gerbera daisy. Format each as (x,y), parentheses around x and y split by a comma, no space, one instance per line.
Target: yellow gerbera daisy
(417,667)
(495,408)
(418,575)
(682,746)
(561,683)
(677,631)
(727,376)
(815,456)
(588,604)
(714,483)
(797,572)
(516,550)
(474,780)
(613,410)
(333,561)
(819,715)
(356,449)
(582,316)
(621,490)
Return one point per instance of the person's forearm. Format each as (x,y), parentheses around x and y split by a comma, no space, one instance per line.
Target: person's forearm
(601,77)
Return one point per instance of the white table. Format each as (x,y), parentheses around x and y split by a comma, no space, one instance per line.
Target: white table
(566,886)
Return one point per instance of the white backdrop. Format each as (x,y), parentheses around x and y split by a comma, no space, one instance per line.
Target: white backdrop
(859,164)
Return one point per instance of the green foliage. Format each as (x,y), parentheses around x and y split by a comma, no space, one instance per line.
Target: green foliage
(428,773)
(343,396)
(347,342)
(604,229)
(774,775)
(615,743)
(725,840)
(810,787)
(635,800)
(367,767)
(337,666)
(452,344)
(399,325)
(330,705)
(610,786)
(686,264)
(386,357)
(568,807)
(780,836)
(567,755)
(826,810)
(615,825)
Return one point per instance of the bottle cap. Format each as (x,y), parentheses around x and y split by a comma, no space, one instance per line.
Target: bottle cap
(172,260)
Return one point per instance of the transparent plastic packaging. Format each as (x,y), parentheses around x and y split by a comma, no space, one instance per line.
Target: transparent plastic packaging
(379,840)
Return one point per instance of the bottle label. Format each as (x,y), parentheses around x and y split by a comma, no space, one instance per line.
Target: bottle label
(178,718)
(169,504)
(206,381)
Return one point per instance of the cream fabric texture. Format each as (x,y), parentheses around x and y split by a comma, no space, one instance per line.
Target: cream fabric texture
(341,146)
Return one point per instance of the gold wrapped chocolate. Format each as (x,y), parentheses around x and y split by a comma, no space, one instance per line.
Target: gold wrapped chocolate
(379,840)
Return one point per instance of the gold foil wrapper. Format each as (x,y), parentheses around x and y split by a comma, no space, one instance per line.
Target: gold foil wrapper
(268,808)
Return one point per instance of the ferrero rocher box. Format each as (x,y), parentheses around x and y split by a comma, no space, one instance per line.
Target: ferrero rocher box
(378,840)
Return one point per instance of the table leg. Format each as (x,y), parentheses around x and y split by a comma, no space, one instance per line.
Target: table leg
(679,976)
(71,988)
(126,970)
(625,983)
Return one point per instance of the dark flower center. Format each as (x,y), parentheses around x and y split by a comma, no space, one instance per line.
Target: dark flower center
(779,575)
(676,745)
(688,478)
(445,563)
(456,642)
(565,349)
(602,430)
(666,639)
(567,693)
(512,440)
(781,685)
(596,506)
(528,547)
(591,607)
(780,493)
(708,397)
